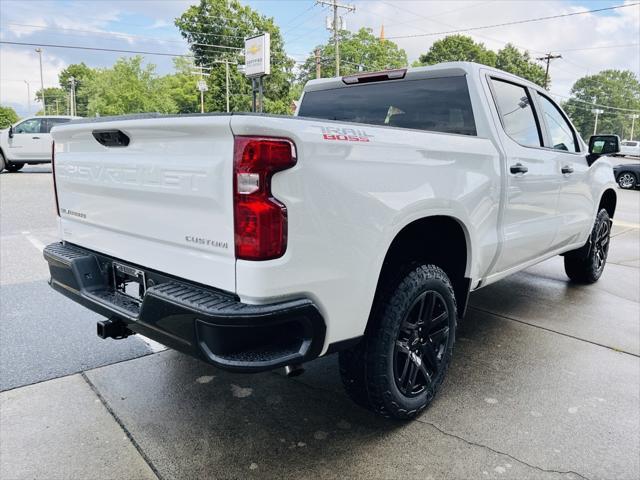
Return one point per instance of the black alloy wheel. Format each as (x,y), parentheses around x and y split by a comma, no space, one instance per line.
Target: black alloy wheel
(421,344)
(601,246)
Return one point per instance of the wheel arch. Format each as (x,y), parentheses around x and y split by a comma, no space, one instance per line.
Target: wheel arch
(608,201)
(450,249)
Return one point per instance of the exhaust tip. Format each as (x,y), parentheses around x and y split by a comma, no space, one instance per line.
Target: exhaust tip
(293,370)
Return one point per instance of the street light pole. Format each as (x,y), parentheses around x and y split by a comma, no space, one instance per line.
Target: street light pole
(226,64)
(597,111)
(44,105)
(28,97)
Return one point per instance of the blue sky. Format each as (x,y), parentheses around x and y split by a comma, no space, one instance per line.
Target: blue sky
(148,25)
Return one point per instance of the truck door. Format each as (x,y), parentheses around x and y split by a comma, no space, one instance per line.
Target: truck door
(575,202)
(29,142)
(530,219)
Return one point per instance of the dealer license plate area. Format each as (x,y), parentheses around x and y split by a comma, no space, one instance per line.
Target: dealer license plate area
(129,281)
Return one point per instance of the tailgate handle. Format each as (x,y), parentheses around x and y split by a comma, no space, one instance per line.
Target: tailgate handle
(111,138)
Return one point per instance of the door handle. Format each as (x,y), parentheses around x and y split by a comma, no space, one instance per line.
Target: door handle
(35,138)
(566,169)
(518,168)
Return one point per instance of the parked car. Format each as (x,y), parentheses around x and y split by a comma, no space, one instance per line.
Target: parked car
(359,226)
(629,148)
(28,141)
(627,176)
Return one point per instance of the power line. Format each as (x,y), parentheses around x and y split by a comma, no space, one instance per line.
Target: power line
(515,22)
(624,45)
(297,17)
(51,45)
(119,34)
(594,104)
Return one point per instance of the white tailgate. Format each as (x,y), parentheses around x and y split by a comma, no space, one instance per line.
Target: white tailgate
(163,202)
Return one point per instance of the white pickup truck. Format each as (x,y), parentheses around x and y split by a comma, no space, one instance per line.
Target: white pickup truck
(28,141)
(358,226)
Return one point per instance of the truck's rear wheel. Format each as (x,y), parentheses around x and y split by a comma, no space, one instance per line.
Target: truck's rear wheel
(587,267)
(397,368)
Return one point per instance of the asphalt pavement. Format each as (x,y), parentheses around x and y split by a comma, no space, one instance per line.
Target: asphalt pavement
(545,384)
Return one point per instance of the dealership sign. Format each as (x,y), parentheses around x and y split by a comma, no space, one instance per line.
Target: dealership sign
(257,54)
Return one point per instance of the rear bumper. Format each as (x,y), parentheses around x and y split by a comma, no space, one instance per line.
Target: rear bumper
(208,324)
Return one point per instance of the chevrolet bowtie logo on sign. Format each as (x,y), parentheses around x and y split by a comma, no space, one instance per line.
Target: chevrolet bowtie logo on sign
(257,54)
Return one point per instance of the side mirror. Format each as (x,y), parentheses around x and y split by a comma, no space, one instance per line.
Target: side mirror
(602,145)
(11,131)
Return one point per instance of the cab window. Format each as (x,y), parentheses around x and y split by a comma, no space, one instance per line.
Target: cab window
(52,122)
(32,125)
(516,113)
(560,131)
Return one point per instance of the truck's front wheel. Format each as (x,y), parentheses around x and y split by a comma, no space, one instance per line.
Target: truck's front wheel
(398,367)
(586,264)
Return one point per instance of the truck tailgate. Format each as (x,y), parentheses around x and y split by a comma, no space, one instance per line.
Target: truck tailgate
(163,202)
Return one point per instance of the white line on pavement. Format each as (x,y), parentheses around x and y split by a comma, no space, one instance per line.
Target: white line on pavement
(33,240)
(621,223)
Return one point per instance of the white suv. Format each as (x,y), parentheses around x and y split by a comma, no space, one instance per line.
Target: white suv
(28,141)
(629,148)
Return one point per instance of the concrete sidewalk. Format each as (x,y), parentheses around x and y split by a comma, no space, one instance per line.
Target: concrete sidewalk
(60,429)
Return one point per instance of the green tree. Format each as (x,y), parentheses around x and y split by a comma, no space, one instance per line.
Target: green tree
(225,23)
(182,86)
(511,60)
(56,101)
(8,117)
(128,87)
(614,88)
(81,75)
(360,51)
(457,48)
(461,48)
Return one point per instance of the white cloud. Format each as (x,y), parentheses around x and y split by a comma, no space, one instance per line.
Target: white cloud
(18,65)
(614,27)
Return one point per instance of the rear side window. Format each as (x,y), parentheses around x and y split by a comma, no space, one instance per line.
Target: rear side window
(52,122)
(435,104)
(516,113)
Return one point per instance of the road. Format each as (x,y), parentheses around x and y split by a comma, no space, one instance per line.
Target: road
(544,384)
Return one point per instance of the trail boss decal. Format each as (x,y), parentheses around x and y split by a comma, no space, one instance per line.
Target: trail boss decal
(345,134)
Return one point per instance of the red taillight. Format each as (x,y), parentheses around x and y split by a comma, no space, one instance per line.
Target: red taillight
(53,174)
(260,219)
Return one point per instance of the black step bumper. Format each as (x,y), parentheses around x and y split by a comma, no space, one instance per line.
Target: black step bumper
(208,324)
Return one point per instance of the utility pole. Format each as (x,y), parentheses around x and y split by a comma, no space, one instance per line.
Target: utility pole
(44,106)
(226,67)
(597,111)
(318,75)
(547,58)
(633,122)
(72,96)
(336,25)
(28,97)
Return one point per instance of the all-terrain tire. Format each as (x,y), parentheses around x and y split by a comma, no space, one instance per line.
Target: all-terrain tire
(586,264)
(371,371)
